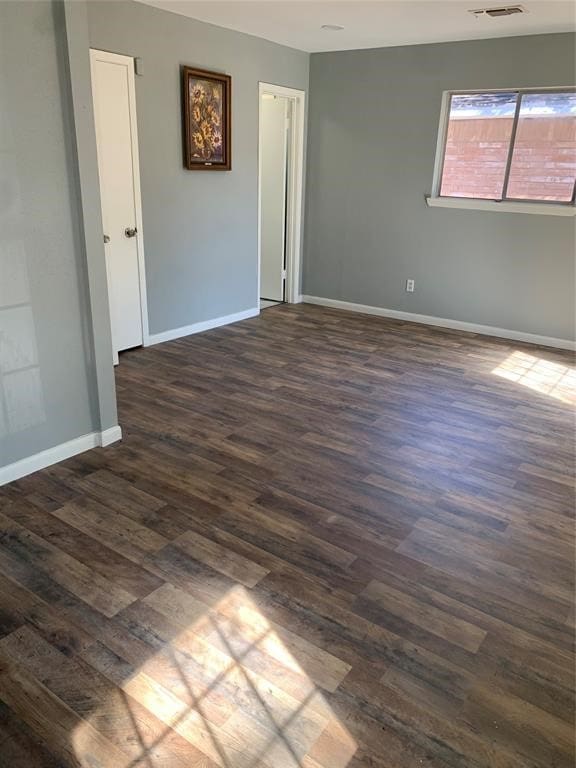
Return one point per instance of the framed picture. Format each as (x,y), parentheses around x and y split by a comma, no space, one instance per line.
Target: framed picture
(207,129)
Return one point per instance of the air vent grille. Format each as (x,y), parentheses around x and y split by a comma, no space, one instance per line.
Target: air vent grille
(496,13)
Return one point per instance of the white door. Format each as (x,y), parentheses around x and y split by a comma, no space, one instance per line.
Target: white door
(117,144)
(274,125)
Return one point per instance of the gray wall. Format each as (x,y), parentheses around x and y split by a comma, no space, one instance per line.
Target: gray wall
(371,145)
(49,390)
(200,228)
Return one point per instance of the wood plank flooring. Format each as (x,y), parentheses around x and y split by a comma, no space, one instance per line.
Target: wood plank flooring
(327,540)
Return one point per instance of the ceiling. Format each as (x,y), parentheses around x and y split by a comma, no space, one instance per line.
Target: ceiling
(298,23)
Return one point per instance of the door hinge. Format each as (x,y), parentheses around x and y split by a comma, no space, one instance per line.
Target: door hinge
(283,274)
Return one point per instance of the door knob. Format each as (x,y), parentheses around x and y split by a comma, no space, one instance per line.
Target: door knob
(106,239)
(130,232)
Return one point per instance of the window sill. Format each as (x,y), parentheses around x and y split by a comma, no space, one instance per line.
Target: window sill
(506,206)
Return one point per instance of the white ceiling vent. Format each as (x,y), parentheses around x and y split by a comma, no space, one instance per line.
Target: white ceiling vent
(496,13)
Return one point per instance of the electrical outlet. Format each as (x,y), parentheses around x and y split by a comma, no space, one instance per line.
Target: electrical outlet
(410,286)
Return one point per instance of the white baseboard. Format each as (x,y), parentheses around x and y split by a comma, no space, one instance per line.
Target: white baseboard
(58,453)
(110,436)
(205,325)
(441,322)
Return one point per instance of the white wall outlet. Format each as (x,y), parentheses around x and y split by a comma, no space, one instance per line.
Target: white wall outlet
(410,286)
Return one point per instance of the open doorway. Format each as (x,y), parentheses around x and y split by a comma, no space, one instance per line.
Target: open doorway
(281,149)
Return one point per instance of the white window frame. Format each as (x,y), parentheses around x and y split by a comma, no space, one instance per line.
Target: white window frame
(435,200)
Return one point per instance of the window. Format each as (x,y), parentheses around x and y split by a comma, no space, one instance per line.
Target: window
(509,146)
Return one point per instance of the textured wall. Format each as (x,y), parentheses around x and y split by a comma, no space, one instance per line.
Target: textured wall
(373,128)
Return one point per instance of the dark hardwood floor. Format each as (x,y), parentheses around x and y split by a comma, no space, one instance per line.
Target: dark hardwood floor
(327,540)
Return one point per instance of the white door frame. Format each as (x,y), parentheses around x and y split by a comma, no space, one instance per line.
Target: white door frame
(295,188)
(128,62)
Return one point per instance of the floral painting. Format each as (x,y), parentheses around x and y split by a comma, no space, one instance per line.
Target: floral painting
(206,120)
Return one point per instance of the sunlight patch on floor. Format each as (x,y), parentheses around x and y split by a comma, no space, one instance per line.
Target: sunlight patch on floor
(228,682)
(553,379)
